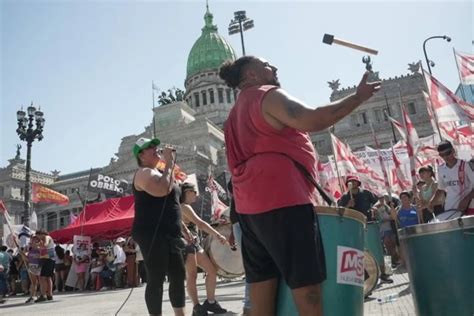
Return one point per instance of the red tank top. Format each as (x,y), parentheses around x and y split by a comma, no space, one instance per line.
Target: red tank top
(261,158)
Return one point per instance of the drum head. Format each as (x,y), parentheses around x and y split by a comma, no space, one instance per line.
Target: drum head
(228,262)
(338,211)
(446,216)
(372,273)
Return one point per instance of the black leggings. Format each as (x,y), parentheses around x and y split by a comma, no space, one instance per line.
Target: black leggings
(159,261)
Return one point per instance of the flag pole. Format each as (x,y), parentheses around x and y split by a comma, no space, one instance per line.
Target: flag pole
(382,165)
(153,102)
(83,212)
(22,254)
(435,115)
(409,144)
(335,162)
(459,74)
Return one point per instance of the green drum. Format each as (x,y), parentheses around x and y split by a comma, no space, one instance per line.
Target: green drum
(440,262)
(342,231)
(373,242)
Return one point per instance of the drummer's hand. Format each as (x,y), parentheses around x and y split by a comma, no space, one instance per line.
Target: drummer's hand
(463,205)
(168,154)
(188,236)
(222,239)
(351,203)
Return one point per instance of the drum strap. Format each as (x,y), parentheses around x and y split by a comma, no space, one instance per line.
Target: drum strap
(310,178)
(462,165)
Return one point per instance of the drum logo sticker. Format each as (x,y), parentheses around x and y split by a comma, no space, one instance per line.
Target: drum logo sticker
(350,266)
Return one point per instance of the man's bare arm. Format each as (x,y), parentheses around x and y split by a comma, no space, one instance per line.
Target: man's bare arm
(282,110)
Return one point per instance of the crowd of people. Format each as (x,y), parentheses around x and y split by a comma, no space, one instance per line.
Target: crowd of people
(43,267)
(273,165)
(265,134)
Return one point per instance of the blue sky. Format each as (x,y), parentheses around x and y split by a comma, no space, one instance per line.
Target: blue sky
(89,64)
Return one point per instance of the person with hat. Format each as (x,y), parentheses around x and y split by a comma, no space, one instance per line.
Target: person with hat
(157,225)
(119,261)
(267,132)
(456,180)
(357,198)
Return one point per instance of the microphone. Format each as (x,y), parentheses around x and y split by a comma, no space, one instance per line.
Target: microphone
(160,150)
(329,39)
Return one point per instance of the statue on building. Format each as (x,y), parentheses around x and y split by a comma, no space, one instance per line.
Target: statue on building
(18,147)
(173,95)
(414,67)
(334,85)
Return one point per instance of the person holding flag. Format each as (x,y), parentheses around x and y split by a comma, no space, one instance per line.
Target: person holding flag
(195,255)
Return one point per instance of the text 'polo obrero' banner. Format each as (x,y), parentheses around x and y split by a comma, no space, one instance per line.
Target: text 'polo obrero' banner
(108,185)
(44,194)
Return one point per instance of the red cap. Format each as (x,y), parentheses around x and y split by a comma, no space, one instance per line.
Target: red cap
(353,178)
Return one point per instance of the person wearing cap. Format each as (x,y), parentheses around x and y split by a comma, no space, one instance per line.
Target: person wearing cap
(267,132)
(195,255)
(119,261)
(357,198)
(456,180)
(157,225)
(426,192)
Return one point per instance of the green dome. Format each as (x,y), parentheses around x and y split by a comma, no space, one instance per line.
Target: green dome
(209,51)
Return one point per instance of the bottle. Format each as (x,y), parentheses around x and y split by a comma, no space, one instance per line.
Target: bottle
(388,298)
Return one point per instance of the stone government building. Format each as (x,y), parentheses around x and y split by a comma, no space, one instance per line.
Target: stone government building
(200,140)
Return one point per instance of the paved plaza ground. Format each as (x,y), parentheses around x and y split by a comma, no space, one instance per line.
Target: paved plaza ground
(229,294)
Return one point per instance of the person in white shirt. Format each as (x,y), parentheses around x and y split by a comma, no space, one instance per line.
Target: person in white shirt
(119,262)
(456,178)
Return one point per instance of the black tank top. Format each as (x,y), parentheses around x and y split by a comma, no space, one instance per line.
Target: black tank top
(148,209)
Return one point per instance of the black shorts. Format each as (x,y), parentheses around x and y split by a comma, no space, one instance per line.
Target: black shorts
(284,242)
(47,267)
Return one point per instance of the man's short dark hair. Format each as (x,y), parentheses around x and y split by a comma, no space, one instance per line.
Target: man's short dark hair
(445,145)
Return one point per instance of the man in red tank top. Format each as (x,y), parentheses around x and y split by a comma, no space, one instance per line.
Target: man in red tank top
(271,157)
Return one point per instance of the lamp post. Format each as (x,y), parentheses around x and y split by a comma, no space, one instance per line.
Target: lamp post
(27,133)
(239,24)
(430,63)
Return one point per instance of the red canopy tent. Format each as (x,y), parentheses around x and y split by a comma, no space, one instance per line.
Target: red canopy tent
(104,220)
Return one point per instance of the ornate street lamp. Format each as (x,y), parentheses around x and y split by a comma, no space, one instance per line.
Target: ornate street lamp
(239,24)
(28,134)
(431,63)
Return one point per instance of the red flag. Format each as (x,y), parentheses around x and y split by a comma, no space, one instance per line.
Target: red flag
(178,173)
(44,194)
(3,208)
(448,107)
(328,179)
(466,67)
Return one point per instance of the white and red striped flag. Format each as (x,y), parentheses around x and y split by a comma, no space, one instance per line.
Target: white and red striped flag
(466,67)
(399,181)
(349,164)
(448,107)
(217,206)
(328,179)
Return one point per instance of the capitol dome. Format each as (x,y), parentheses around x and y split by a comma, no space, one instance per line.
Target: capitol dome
(209,51)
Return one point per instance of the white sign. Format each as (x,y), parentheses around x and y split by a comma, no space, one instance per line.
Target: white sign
(350,266)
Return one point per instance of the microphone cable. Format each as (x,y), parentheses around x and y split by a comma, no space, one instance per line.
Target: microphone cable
(156,228)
